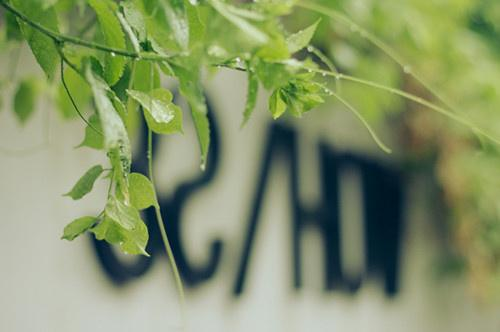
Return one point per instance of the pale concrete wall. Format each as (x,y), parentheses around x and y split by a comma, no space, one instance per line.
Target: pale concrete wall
(51,285)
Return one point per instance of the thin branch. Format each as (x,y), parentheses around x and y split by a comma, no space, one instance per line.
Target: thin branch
(346,21)
(419,100)
(61,38)
(163,232)
(372,132)
(314,50)
(70,96)
(424,102)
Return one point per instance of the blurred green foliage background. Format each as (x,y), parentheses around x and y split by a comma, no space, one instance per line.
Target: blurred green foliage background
(453,48)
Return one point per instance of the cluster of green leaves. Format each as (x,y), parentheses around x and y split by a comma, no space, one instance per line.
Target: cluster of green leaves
(113,55)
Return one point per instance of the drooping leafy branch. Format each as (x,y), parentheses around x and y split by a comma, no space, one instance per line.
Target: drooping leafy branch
(132,44)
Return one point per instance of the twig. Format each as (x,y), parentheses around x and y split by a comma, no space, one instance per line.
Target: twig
(70,96)
(61,38)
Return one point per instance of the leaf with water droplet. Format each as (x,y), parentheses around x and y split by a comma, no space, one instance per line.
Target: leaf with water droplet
(135,241)
(132,241)
(162,116)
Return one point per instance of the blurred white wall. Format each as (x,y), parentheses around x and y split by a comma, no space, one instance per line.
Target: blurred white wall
(47,284)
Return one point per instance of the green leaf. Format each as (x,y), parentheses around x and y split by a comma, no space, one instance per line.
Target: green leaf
(239,20)
(115,134)
(77,227)
(142,193)
(273,75)
(162,116)
(301,39)
(134,16)
(42,46)
(197,28)
(146,76)
(302,95)
(48,3)
(135,241)
(151,24)
(93,139)
(85,183)
(274,51)
(275,7)
(113,37)
(125,215)
(24,100)
(130,241)
(177,20)
(12,27)
(107,230)
(245,13)
(276,104)
(190,88)
(299,95)
(130,33)
(120,163)
(252,90)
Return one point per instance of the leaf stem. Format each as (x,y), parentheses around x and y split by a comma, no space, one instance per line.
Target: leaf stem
(372,132)
(161,226)
(421,101)
(73,102)
(416,99)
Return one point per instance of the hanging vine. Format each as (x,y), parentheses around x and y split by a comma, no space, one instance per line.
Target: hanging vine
(114,53)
